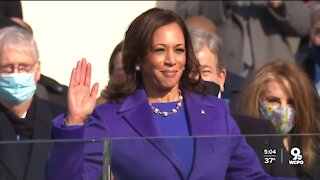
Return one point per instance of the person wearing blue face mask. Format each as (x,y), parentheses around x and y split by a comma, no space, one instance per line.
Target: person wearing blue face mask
(282,93)
(47,88)
(23,115)
(16,88)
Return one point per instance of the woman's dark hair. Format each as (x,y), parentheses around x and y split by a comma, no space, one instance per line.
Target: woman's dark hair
(116,50)
(137,42)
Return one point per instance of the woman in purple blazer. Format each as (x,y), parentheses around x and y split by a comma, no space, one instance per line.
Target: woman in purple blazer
(161,98)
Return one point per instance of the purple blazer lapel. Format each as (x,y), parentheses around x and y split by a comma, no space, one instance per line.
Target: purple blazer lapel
(206,119)
(137,112)
(199,111)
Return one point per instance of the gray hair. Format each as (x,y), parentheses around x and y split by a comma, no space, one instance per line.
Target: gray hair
(201,37)
(18,38)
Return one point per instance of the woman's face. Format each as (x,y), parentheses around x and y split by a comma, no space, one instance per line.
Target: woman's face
(276,94)
(164,64)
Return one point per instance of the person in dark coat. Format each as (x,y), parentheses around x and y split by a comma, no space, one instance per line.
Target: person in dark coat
(230,83)
(23,115)
(208,48)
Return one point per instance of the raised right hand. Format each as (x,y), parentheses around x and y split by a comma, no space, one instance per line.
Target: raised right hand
(81,101)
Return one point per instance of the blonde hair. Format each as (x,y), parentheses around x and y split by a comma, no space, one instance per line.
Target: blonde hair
(300,89)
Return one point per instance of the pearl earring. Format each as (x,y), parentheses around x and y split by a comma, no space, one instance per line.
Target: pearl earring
(137,68)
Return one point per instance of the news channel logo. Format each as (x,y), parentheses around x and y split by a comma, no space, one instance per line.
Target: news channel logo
(296,156)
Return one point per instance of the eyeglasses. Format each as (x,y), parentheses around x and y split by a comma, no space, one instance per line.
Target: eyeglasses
(22,68)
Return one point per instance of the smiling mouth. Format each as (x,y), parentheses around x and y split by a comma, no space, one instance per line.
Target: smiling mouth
(169,73)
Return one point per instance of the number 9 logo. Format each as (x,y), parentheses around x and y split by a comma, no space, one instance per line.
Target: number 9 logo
(296,153)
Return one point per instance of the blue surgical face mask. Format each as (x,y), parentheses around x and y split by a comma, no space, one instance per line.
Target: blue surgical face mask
(281,118)
(16,88)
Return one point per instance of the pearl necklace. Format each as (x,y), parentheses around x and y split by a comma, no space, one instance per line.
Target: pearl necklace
(173,111)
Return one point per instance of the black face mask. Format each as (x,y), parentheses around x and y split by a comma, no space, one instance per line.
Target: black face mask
(212,88)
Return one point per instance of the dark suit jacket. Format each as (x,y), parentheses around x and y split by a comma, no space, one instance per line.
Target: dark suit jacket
(10,161)
(255,126)
(314,172)
(252,127)
(232,89)
(305,59)
(51,90)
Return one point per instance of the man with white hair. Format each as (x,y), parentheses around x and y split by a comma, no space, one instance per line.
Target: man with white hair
(23,115)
